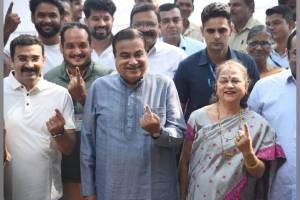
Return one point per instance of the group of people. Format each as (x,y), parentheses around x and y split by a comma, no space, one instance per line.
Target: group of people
(161,110)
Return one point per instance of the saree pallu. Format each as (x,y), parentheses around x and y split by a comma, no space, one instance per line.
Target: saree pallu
(213,176)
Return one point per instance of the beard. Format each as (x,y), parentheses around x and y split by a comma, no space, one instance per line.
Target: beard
(101,35)
(55,28)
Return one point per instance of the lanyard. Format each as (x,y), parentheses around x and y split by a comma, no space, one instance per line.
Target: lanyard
(210,81)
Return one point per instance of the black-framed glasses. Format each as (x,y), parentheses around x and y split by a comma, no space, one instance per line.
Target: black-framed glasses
(263,44)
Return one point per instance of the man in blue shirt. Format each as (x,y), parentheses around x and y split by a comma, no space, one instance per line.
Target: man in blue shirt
(132,129)
(274,97)
(171,28)
(195,76)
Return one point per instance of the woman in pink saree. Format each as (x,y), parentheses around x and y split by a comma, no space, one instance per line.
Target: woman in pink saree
(229,152)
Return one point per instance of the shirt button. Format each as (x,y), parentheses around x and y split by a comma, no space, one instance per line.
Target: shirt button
(27,104)
(22,86)
(27,94)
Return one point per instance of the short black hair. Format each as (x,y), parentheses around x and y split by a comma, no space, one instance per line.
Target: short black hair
(72,25)
(283,10)
(24,40)
(289,41)
(175,1)
(33,4)
(126,34)
(143,7)
(215,9)
(167,7)
(100,5)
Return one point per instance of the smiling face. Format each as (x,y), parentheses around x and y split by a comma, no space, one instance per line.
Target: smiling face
(27,63)
(76,49)
(131,60)
(76,8)
(47,20)
(100,24)
(259,47)
(231,84)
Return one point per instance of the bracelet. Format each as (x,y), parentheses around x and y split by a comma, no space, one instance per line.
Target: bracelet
(254,166)
(59,134)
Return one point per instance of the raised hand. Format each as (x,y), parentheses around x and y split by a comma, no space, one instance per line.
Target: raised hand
(76,87)
(12,20)
(55,124)
(150,122)
(243,140)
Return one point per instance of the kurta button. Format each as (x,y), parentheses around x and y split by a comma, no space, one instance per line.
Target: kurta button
(27,94)
(27,104)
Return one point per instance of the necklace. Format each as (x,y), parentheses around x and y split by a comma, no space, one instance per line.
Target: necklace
(227,154)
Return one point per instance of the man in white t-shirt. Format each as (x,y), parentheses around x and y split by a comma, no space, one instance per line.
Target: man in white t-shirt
(39,125)
(99,17)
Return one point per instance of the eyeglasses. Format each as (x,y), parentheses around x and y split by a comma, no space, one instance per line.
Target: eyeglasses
(263,44)
(139,25)
(175,20)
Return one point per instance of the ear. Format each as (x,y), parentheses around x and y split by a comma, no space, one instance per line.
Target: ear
(291,24)
(202,29)
(85,21)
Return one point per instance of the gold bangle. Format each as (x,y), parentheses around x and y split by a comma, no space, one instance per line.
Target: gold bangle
(253,166)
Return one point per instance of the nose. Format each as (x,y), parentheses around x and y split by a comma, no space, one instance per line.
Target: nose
(132,60)
(229,84)
(29,64)
(101,22)
(217,34)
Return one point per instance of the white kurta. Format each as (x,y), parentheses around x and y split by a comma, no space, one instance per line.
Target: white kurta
(34,172)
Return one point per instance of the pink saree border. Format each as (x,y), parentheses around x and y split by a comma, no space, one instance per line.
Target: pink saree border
(236,191)
(270,153)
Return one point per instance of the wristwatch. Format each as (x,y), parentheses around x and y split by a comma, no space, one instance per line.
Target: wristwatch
(157,135)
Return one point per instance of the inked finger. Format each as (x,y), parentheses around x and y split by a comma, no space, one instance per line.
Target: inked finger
(9,10)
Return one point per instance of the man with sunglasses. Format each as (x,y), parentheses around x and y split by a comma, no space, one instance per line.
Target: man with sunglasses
(171,27)
(195,76)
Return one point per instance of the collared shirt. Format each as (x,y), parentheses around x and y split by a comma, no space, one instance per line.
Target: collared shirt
(34,172)
(195,78)
(190,46)
(59,76)
(193,31)
(278,60)
(274,97)
(164,59)
(120,160)
(238,40)
(105,58)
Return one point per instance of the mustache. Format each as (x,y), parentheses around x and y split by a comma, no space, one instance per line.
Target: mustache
(29,69)
(149,33)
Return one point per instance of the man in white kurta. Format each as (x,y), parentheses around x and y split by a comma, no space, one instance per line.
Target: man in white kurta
(39,126)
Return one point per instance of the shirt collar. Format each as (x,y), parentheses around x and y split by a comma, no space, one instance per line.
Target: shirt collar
(250,23)
(138,84)
(182,43)
(63,74)
(15,84)
(288,76)
(156,47)
(204,60)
